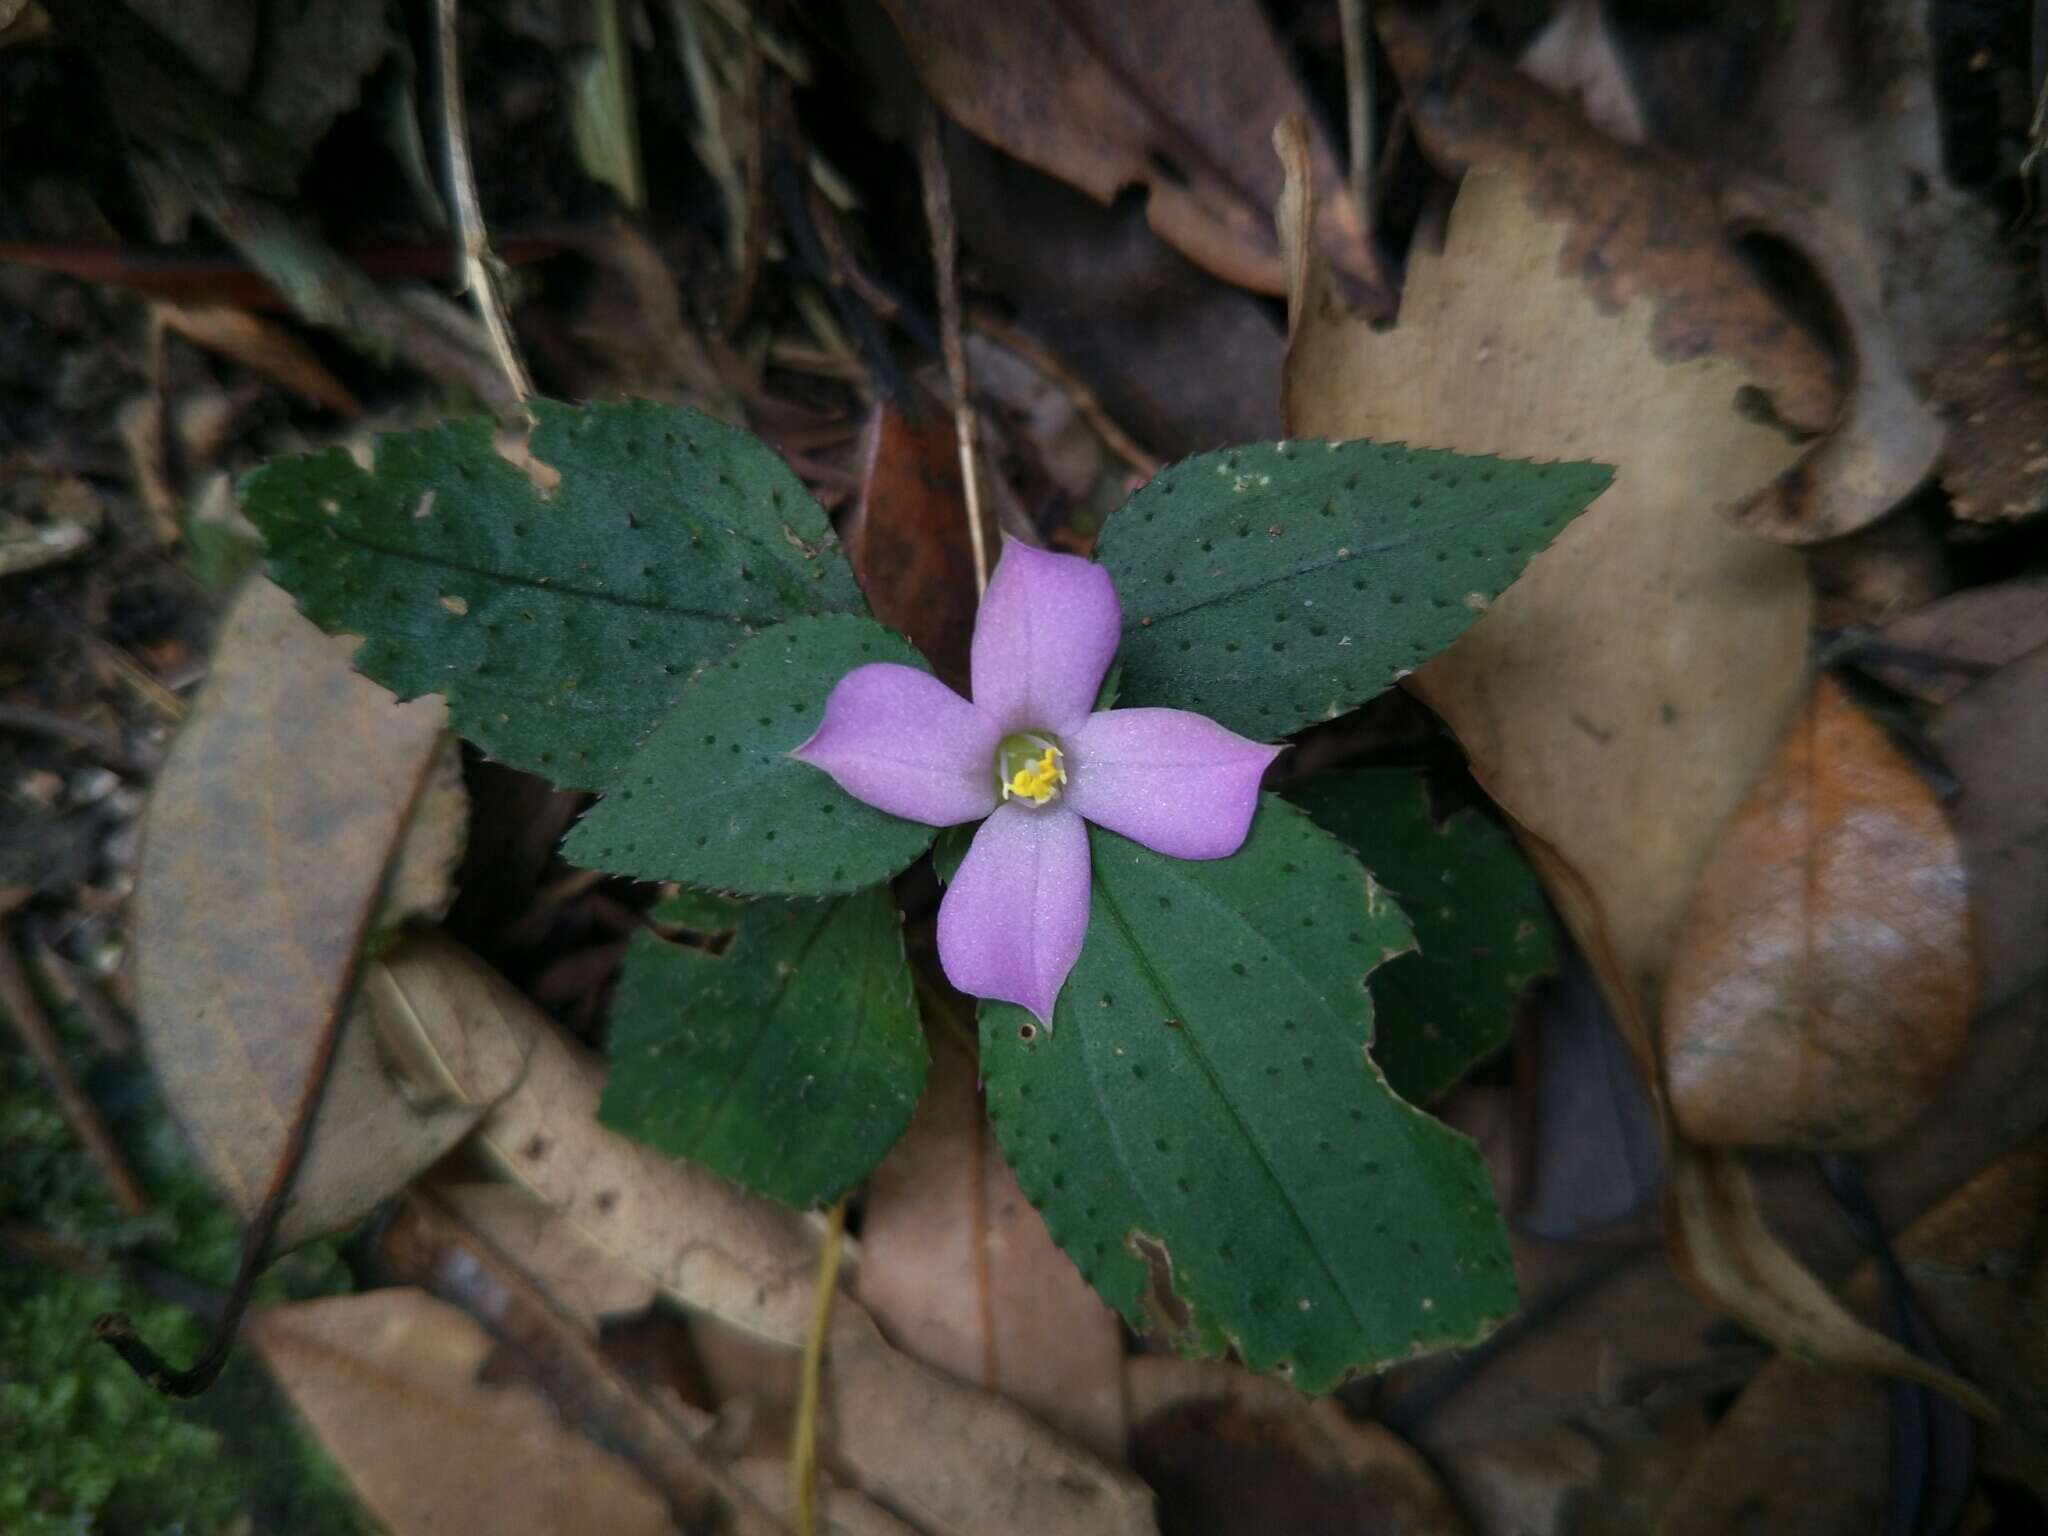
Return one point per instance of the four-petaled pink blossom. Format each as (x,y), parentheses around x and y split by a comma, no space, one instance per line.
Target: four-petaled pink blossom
(1028,755)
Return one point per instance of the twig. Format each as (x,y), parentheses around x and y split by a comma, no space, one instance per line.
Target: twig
(1035,352)
(1358,101)
(18,997)
(76,989)
(479,270)
(938,212)
(803,1448)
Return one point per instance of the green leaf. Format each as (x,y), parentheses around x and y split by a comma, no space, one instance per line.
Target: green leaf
(698,911)
(1204,1104)
(790,1064)
(1483,929)
(1279,584)
(713,797)
(561,623)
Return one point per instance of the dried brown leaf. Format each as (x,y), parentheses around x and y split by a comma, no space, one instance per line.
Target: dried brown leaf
(1824,980)
(1809,1449)
(389,1381)
(1621,697)
(907,536)
(1936,652)
(1107,96)
(264,347)
(1638,222)
(959,1271)
(271,836)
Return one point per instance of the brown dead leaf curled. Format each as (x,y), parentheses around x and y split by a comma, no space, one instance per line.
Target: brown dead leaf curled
(959,1271)
(1808,1449)
(1177,99)
(1824,979)
(1638,223)
(389,1381)
(1885,444)
(275,821)
(1623,695)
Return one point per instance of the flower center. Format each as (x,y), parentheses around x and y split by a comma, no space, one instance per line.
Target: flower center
(1028,767)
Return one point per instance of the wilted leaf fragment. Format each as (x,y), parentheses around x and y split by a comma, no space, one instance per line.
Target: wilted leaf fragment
(560,592)
(1205,1136)
(1482,931)
(270,833)
(1824,978)
(389,1381)
(789,1064)
(713,797)
(1276,585)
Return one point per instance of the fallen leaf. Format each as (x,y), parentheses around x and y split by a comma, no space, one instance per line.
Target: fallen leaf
(1993,389)
(273,828)
(1824,979)
(390,1382)
(958,1270)
(1812,1450)
(701,1240)
(1638,223)
(1995,738)
(263,346)
(1178,100)
(1841,103)
(1617,758)
(581,1278)
(1885,444)
(1228,1451)
(907,536)
(1938,651)
(1183,360)
(753,1264)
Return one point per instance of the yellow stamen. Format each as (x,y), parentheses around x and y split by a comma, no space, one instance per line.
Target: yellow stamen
(1037,781)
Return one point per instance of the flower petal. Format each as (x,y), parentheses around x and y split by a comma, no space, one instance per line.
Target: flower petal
(907,744)
(1177,782)
(1013,920)
(1044,638)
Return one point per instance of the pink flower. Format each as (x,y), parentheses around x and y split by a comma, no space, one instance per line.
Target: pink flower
(1028,755)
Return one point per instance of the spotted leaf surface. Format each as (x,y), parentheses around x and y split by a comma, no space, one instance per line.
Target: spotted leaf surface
(1483,931)
(561,602)
(1206,1137)
(789,1064)
(713,798)
(1276,585)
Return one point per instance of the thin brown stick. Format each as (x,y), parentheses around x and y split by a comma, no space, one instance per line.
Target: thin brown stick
(99,744)
(479,267)
(25,1012)
(1358,101)
(938,212)
(1035,352)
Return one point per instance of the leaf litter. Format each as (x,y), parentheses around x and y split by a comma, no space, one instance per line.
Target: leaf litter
(1753,363)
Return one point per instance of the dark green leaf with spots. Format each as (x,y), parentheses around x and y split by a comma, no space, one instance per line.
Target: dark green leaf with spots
(789,1064)
(714,799)
(560,623)
(1204,1132)
(1276,585)
(1482,930)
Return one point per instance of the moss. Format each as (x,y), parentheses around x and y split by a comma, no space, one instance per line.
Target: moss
(87,1447)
